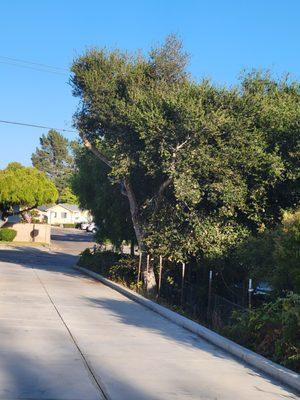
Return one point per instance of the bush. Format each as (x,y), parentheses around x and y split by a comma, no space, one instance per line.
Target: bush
(273,256)
(7,234)
(69,225)
(120,268)
(272,330)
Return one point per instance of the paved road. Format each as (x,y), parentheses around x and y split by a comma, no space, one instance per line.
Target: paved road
(70,241)
(64,336)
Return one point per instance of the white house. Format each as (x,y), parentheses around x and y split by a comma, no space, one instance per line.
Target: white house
(63,214)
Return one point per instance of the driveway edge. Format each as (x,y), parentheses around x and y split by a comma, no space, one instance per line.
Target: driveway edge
(278,372)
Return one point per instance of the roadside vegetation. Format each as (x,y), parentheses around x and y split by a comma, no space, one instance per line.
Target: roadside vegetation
(25,188)
(203,176)
(55,158)
(7,234)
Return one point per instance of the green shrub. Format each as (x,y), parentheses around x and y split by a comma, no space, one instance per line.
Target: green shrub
(120,268)
(273,256)
(7,234)
(272,330)
(69,225)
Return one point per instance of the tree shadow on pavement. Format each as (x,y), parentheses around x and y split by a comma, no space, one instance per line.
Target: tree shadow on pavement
(120,311)
(128,312)
(40,259)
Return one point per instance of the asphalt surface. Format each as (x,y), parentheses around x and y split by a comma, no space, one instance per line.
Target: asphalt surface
(64,336)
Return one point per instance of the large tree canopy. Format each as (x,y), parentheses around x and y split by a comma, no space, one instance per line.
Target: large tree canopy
(54,158)
(203,166)
(24,187)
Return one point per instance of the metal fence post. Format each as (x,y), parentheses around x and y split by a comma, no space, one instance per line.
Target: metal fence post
(182,282)
(210,277)
(147,269)
(250,290)
(140,265)
(160,273)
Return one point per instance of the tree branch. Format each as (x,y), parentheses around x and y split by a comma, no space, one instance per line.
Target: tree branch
(169,180)
(133,205)
(164,186)
(6,214)
(94,150)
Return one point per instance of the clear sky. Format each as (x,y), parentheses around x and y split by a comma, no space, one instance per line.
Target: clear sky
(222,36)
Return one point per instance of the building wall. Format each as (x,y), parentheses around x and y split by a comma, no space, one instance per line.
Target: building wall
(39,233)
(60,215)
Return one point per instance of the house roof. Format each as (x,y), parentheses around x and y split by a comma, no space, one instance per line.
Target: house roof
(45,207)
(69,207)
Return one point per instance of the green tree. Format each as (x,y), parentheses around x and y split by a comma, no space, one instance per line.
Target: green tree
(273,255)
(68,196)
(24,187)
(202,166)
(54,158)
(104,199)
(286,269)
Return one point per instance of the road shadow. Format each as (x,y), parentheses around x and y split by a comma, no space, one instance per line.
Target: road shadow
(34,378)
(126,312)
(131,313)
(73,237)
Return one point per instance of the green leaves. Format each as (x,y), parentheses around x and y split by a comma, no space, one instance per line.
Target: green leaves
(25,187)
(208,165)
(54,159)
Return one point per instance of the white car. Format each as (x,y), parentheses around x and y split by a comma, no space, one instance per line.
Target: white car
(92,227)
(84,225)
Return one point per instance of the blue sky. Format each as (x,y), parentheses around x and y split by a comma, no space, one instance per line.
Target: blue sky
(223,37)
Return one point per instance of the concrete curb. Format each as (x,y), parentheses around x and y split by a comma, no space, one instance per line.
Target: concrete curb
(278,372)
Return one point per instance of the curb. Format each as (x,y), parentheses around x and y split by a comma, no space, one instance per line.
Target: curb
(278,372)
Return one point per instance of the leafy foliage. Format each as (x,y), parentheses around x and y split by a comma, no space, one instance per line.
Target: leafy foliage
(209,165)
(68,196)
(272,330)
(120,268)
(7,234)
(54,158)
(96,193)
(273,255)
(24,187)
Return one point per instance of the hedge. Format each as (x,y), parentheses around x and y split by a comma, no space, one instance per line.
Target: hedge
(7,235)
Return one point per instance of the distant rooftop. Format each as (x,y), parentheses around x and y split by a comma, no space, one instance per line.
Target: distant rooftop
(69,207)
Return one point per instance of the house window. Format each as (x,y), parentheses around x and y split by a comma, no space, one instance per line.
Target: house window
(53,214)
(64,215)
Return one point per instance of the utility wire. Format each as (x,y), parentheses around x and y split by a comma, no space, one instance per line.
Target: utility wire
(34,125)
(33,68)
(34,63)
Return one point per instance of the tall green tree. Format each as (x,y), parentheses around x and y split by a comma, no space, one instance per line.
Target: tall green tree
(68,196)
(55,159)
(202,166)
(96,193)
(24,187)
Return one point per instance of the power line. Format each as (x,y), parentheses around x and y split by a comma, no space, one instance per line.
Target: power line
(34,125)
(34,63)
(33,68)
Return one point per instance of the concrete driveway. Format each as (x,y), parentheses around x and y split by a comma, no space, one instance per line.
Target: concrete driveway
(65,336)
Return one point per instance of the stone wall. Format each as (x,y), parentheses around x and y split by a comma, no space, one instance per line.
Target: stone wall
(39,233)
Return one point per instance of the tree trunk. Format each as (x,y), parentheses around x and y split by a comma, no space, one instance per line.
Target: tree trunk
(150,281)
(132,243)
(134,211)
(148,274)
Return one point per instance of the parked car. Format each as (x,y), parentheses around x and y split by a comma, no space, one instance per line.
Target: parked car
(92,227)
(263,288)
(84,225)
